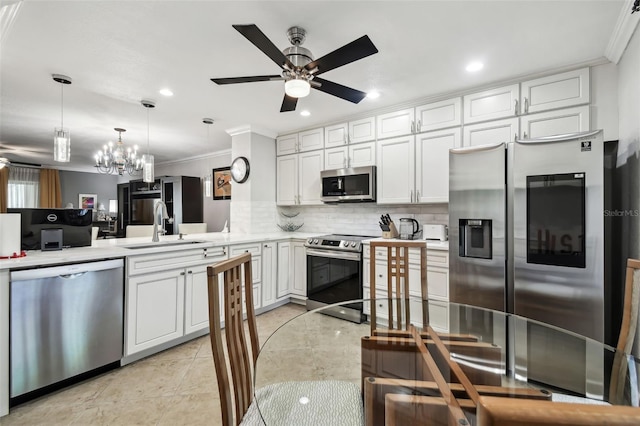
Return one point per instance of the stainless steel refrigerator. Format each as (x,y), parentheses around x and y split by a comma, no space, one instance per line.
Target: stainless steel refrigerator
(526,228)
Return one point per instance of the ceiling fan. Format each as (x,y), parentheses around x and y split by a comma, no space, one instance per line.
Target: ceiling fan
(299,69)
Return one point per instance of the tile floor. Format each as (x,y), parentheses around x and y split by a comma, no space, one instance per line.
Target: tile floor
(174,387)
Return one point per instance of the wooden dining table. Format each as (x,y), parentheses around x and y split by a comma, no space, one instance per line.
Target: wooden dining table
(479,370)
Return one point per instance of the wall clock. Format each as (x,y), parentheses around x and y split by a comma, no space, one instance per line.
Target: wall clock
(240,169)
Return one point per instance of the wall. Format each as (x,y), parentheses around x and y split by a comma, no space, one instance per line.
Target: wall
(215,212)
(358,218)
(74,183)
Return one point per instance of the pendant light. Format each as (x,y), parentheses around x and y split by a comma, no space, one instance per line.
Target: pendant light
(147,159)
(61,137)
(208,179)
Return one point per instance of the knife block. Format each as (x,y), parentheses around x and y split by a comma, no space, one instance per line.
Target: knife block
(391,233)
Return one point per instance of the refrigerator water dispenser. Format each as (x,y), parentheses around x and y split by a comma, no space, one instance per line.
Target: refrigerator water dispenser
(475,238)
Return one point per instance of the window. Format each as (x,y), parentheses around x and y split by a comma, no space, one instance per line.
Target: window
(24,188)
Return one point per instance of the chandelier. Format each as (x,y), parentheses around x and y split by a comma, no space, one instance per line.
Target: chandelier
(118,159)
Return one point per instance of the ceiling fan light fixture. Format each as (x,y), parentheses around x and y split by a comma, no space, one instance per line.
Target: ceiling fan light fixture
(297,88)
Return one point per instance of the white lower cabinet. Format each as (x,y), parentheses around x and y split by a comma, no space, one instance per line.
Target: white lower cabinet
(164,306)
(292,269)
(155,308)
(269,273)
(437,283)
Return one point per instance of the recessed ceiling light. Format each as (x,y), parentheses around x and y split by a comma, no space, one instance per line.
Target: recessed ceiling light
(474,66)
(166,92)
(373,95)
(305,113)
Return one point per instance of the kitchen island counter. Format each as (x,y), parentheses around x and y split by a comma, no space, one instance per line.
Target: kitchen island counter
(123,247)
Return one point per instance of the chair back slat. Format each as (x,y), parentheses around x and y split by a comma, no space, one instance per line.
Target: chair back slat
(397,285)
(237,280)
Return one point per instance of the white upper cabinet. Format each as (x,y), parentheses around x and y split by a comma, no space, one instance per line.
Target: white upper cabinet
(336,135)
(287,144)
(287,180)
(300,142)
(298,178)
(396,170)
(363,130)
(491,132)
(397,123)
(556,91)
(491,104)
(558,122)
(358,131)
(310,164)
(356,155)
(311,140)
(432,164)
(439,115)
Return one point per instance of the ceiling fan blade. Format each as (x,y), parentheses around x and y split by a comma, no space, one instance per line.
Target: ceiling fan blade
(257,37)
(288,103)
(357,49)
(335,89)
(234,80)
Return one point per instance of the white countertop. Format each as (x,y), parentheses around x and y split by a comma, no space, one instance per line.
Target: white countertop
(117,247)
(431,244)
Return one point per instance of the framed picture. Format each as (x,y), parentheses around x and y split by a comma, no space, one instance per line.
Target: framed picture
(87,201)
(222,183)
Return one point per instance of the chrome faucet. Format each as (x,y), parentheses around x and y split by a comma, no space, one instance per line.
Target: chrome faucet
(164,215)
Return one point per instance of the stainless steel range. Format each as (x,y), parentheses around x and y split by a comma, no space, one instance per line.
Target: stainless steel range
(334,274)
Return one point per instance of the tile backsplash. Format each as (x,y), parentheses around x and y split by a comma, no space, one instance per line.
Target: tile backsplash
(358,219)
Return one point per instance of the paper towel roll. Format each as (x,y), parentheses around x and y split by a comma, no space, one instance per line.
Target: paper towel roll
(9,234)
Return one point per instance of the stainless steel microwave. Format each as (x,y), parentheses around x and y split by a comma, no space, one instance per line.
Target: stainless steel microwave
(355,184)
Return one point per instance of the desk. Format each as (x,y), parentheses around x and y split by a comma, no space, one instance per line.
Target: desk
(398,385)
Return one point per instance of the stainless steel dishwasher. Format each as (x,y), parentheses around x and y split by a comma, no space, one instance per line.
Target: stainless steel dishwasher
(65,321)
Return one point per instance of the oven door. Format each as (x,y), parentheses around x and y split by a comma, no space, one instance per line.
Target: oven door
(334,277)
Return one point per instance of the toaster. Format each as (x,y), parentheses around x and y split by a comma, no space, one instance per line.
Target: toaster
(432,231)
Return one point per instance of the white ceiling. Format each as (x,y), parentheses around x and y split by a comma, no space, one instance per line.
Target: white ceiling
(120,52)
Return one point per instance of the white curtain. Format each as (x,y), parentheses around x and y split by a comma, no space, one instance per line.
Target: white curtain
(24,187)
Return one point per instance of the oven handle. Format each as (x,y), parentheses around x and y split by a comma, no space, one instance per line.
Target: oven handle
(333,254)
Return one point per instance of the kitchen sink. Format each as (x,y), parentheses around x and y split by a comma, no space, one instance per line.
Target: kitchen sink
(163,244)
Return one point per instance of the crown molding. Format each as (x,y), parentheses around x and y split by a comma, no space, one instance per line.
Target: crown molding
(247,128)
(221,153)
(622,33)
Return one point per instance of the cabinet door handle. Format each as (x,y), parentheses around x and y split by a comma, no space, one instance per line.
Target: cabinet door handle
(526,105)
(515,137)
(515,108)
(525,135)
(413,126)
(348,161)
(189,272)
(182,273)
(419,126)
(417,196)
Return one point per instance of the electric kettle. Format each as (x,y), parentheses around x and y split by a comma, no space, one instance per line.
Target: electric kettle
(409,229)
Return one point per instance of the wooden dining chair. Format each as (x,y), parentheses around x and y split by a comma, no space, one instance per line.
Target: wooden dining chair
(397,285)
(329,402)
(627,332)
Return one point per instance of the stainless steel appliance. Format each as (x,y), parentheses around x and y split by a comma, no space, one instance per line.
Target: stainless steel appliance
(334,274)
(527,237)
(356,184)
(74,223)
(409,229)
(65,322)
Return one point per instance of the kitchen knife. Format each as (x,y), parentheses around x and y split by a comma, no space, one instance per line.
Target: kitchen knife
(389,221)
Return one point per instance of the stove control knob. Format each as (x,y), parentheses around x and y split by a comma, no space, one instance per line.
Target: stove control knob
(353,244)
(315,241)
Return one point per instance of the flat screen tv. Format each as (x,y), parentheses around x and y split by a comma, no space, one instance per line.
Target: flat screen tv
(75,225)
